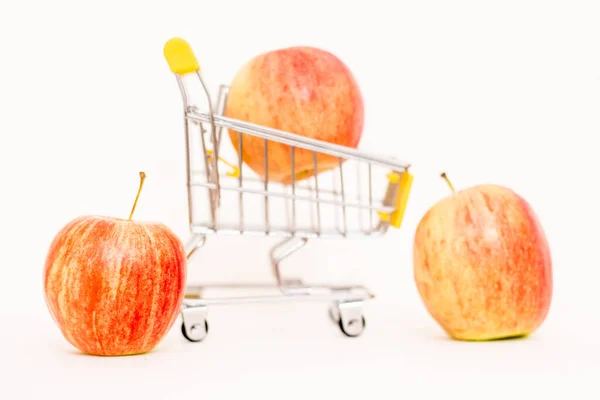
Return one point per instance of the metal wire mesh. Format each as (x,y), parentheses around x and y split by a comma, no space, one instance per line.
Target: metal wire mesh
(340,202)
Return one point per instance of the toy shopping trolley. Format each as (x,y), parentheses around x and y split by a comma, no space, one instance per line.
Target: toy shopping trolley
(337,204)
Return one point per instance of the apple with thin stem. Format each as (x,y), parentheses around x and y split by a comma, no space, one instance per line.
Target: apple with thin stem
(115,286)
(482,264)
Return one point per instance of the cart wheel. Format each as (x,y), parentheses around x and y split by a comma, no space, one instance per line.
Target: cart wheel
(334,314)
(354,327)
(194,338)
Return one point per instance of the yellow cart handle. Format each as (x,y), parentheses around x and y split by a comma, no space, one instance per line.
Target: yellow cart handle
(404,182)
(180,56)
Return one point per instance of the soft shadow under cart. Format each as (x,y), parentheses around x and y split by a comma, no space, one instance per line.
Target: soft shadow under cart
(341,203)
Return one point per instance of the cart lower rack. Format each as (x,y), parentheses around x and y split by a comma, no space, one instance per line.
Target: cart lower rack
(336,204)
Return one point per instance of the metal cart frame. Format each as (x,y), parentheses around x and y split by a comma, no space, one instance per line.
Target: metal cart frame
(346,301)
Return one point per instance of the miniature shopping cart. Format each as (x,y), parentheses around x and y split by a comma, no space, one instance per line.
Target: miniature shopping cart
(339,203)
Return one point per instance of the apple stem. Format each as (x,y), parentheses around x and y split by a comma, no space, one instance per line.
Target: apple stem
(142,178)
(448,181)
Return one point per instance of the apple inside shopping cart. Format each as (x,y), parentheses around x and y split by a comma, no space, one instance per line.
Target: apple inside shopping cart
(301,90)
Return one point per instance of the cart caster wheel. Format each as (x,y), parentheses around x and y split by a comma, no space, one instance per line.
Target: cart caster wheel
(353,328)
(348,316)
(196,334)
(334,315)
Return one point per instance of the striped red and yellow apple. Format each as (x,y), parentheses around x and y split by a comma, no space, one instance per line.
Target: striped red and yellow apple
(114,286)
(482,264)
(302,90)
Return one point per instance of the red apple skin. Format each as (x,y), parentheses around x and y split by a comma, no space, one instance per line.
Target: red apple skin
(482,264)
(114,287)
(302,90)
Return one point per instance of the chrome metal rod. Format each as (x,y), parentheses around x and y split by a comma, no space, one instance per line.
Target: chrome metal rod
(188,169)
(360,197)
(342,203)
(260,232)
(191,289)
(251,179)
(341,162)
(188,173)
(284,297)
(293,150)
(266,157)
(280,252)
(195,243)
(213,136)
(213,206)
(241,179)
(370,199)
(301,141)
(220,109)
(318,204)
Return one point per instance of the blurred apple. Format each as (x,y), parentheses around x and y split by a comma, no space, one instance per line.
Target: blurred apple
(302,90)
(114,286)
(482,264)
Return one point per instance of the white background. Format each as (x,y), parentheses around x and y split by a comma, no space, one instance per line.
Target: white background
(491,92)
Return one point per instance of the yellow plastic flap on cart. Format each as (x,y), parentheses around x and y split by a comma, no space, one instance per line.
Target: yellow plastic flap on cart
(180,56)
(235,173)
(405,183)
